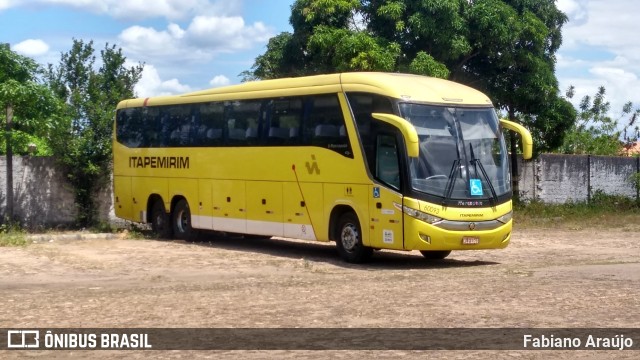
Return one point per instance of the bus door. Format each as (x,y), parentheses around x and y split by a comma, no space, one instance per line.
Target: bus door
(385,201)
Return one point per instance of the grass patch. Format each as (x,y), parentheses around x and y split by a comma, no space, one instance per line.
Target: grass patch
(603,211)
(12,236)
(103,227)
(134,231)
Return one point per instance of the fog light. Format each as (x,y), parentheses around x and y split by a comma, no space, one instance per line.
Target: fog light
(506,237)
(426,238)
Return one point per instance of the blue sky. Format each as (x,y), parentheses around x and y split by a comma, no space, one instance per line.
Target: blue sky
(189,45)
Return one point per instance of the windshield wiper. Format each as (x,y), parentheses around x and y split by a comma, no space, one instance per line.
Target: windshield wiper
(477,163)
(450,182)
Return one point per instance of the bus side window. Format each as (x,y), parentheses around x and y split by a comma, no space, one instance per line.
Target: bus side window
(210,131)
(325,126)
(126,127)
(284,122)
(152,131)
(179,125)
(243,123)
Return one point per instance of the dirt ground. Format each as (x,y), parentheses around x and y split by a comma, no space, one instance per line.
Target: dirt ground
(546,278)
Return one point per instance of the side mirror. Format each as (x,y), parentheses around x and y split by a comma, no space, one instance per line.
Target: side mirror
(525,135)
(408,131)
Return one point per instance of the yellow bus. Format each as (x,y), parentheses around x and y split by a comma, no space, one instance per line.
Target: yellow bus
(368,160)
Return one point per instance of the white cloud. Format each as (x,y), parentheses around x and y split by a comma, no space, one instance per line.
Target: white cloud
(31,47)
(200,41)
(600,48)
(149,41)
(226,33)
(5,4)
(609,24)
(621,86)
(139,9)
(574,9)
(219,80)
(614,74)
(566,62)
(151,84)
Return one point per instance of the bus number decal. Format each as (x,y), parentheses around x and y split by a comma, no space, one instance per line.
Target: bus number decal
(431,209)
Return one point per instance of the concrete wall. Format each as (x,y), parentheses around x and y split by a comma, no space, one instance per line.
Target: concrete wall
(41,194)
(553,178)
(42,197)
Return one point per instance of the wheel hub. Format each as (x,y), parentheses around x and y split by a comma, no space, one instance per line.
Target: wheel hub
(349,237)
(182,221)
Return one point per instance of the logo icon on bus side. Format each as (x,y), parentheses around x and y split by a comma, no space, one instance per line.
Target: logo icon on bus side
(313,167)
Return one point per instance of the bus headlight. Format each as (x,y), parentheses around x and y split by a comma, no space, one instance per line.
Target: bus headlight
(506,217)
(430,219)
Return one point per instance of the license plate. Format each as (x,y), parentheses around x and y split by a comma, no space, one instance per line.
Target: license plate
(470,240)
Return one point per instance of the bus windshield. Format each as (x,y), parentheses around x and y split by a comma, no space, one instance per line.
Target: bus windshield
(462,152)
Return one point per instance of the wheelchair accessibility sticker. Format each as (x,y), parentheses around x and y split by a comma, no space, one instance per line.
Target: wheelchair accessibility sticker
(376,192)
(476,187)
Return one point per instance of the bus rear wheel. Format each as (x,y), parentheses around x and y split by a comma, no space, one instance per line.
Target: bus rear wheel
(349,240)
(160,222)
(435,254)
(181,222)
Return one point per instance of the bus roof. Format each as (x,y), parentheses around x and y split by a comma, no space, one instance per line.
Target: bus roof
(406,87)
(411,87)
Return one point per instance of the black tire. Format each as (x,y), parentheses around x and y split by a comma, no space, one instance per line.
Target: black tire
(160,221)
(181,222)
(435,254)
(349,240)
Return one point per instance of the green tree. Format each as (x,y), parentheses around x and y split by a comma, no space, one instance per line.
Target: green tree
(27,108)
(556,117)
(31,103)
(82,142)
(505,48)
(595,132)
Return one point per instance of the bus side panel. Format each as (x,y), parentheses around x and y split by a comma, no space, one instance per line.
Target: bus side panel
(229,205)
(202,212)
(122,197)
(353,196)
(303,215)
(187,188)
(264,208)
(385,210)
(142,188)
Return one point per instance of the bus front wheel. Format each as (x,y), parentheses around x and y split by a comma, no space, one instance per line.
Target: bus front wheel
(160,222)
(181,221)
(435,254)
(349,240)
